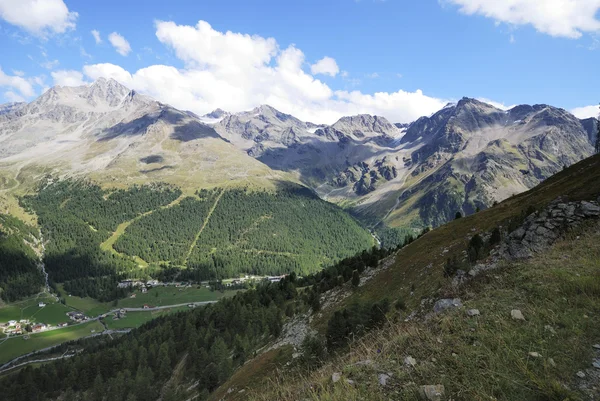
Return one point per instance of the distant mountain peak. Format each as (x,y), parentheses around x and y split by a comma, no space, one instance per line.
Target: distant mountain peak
(216,113)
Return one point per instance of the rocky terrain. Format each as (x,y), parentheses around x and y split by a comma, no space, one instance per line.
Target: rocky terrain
(463,158)
(117,137)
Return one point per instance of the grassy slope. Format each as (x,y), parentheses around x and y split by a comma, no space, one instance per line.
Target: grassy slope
(420,264)
(485,357)
(17,346)
(52,313)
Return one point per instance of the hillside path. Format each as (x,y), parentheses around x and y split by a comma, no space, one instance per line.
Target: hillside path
(206,220)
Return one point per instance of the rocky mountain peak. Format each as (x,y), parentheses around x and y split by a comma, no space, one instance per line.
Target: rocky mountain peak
(216,113)
(365,125)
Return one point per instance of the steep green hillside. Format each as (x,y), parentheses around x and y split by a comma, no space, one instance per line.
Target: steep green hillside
(96,237)
(20,275)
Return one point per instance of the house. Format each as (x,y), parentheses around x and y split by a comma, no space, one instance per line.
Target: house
(146,306)
(132,296)
(36,328)
(41,304)
(24,321)
(152,283)
(144,290)
(125,284)
(76,316)
(12,322)
(63,324)
(275,279)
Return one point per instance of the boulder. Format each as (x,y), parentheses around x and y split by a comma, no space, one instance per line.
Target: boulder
(473,312)
(432,392)
(410,361)
(444,304)
(383,379)
(589,209)
(336,376)
(516,314)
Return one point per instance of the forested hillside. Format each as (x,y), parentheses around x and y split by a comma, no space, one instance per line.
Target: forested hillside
(20,275)
(204,346)
(214,234)
(224,233)
(75,218)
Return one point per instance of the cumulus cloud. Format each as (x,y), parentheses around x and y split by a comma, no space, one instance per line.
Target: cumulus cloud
(120,44)
(39,17)
(325,66)
(96,36)
(13,97)
(236,71)
(563,18)
(67,78)
(17,83)
(586,112)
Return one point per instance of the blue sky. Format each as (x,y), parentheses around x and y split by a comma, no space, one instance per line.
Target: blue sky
(397,58)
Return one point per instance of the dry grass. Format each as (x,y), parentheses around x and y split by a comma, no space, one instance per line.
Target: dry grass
(485,357)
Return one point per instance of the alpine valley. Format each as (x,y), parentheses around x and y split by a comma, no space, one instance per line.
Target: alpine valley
(126,214)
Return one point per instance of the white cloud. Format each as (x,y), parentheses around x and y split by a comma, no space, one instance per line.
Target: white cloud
(96,36)
(373,75)
(39,17)
(586,112)
(67,78)
(15,82)
(497,105)
(237,72)
(18,73)
(564,18)
(13,97)
(325,66)
(50,64)
(120,44)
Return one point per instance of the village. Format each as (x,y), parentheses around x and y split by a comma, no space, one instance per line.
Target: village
(27,326)
(235,282)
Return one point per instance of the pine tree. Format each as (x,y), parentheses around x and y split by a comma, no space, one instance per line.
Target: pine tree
(355,278)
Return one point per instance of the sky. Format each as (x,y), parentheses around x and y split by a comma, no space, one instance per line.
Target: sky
(315,59)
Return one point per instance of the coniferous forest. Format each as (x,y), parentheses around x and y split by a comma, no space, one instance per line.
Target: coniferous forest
(207,344)
(20,275)
(213,234)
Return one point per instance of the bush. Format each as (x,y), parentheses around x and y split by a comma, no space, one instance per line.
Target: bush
(451,267)
(476,248)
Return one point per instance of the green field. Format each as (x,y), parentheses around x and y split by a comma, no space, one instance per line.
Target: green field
(52,313)
(16,346)
(161,296)
(136,319)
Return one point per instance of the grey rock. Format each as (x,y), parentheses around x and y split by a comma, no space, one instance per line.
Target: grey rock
(383,379)
(410,361)
(596,363)
(590,209)
(516,314)
(336,376)
(445,304)
(535,355)
(473,312)
(596,346)
(350,382)
(551,362)
(432,392)
(581,375)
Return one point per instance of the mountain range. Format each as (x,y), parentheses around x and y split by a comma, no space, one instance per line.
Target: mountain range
(464,157)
